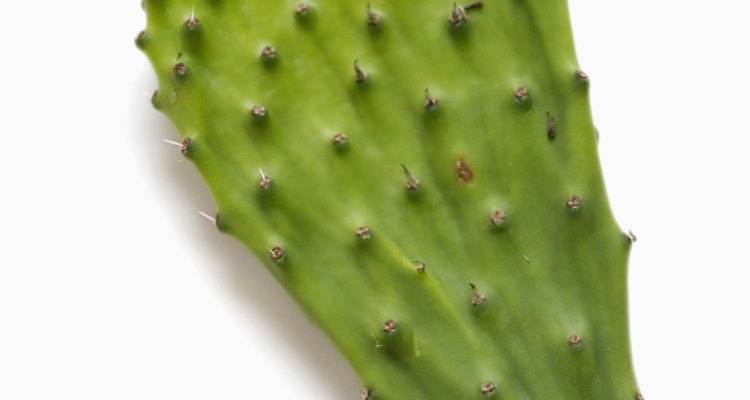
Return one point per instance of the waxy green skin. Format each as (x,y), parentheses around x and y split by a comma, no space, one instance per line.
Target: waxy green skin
(492,256)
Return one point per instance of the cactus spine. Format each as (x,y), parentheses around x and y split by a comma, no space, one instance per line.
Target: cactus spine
(421,176)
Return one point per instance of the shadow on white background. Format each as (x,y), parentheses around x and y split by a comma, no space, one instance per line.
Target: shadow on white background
(284,337)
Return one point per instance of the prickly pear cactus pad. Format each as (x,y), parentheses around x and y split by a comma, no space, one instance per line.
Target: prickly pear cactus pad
(421,176)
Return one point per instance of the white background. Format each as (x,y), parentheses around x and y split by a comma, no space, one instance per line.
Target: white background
(112,286)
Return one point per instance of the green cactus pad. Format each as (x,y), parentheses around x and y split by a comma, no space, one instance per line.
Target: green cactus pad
(421,176)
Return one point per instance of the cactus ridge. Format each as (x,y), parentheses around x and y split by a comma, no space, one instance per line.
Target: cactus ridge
(421,176)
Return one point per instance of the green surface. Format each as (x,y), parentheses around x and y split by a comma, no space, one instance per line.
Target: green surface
(499,196)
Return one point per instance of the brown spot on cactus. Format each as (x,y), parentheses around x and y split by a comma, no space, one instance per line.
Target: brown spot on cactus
(497,218)
(581,76)
(265,181)
(258,111)
(420,266)
(458,15)
(551,130)
(574,340)
(180,69)
(465,174)
(488,388)
(632,236)
(192,23)
(360,76)
(412,183)
(639,396)
(185,145)
(276,253)
(477,298)
(340,140)
(302,8)
(268,52)
(373,18)
(390,326)
(366,393)
(363,233)
(430,102)
(520,95)
(574,202)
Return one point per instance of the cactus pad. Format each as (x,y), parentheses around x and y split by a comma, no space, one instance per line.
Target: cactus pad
(421,176)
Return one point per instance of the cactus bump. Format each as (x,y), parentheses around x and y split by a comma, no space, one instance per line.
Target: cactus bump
(422,178)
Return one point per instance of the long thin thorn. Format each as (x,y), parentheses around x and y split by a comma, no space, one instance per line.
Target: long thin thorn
(172,142)
(208,217)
